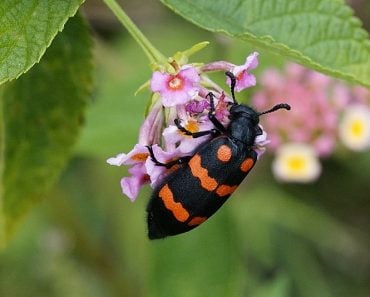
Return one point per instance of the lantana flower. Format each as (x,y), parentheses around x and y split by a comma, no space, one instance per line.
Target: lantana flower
(176,89)
(296,162)
(180,97)
(244,79)
(315,116)
(136,158)
(325,111)
(354,128)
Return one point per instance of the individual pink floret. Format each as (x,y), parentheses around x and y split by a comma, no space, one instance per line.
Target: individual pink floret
(136,158)
(176,89)
(244,79)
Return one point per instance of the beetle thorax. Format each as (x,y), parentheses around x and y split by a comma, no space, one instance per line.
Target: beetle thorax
(243,124)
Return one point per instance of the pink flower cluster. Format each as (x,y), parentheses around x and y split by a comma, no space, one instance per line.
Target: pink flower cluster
(326,112)
(180,95)
(317,101)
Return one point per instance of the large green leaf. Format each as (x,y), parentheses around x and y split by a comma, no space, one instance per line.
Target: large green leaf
(41,116)
(320,34)
(27,28)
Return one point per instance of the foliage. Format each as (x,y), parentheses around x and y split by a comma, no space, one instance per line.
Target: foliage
(322,35)
(27,30)
(41,113)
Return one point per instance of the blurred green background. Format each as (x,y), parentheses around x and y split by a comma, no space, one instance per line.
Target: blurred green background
(87,239)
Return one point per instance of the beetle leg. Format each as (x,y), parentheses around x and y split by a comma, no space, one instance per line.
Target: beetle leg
(214,132)
(212,114)
(168,165)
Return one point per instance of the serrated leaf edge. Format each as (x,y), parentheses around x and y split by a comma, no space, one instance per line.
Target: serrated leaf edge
(267,42)
(60,29)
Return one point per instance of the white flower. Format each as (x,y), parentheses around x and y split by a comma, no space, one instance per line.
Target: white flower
(354,128)
(296,162)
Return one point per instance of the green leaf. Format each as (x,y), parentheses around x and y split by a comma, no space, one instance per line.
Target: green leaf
(42,114)
(27,28)
(322,35)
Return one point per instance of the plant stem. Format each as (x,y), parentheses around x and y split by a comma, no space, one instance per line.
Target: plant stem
(152,53)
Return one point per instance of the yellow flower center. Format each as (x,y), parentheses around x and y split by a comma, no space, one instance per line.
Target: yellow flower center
(175,83)
(357,128)
(192,126)
(296,163)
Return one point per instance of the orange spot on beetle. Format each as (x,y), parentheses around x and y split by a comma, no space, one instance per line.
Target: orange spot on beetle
(179,212)
(224,190)
(224,153)
(197,221)
(247,165)
(208,183)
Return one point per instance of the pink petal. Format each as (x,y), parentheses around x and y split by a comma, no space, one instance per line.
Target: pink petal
(118,160)
(150,130)
(187,90)
(138,155)
(244,78)
(172,98)
(247,80)
(190,74)
(158,81)
(252,61)
(130,187)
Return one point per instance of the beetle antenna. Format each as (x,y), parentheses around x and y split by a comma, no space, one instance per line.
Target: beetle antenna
(232,85)
(276,107)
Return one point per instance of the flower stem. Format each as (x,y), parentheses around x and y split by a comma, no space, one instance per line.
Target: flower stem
(152,53)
